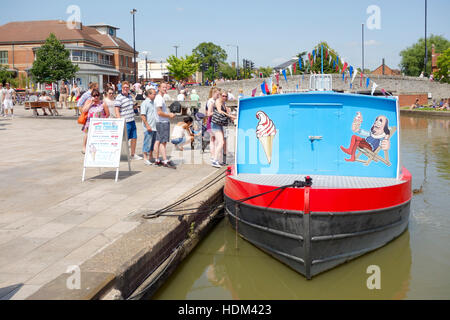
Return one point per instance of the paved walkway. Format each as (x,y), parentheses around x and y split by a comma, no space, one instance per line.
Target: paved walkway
(49,220)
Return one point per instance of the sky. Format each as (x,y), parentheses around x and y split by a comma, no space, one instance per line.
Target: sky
(268,32)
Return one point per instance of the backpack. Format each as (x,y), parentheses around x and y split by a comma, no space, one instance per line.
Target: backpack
(175,107)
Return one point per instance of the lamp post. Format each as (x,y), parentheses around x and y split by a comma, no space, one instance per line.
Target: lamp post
(237,66)
(146,53)
(426,49)
(133,13)
(363,44)
(176,50)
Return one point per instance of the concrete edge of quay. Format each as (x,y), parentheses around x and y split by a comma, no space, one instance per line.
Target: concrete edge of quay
(143,258)
(425,113)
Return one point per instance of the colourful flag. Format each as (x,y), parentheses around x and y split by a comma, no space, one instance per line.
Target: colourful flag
(266,87)
(367,82)
(295,68)
(290,70)
(254,92)
(384,92)
(263,87)
(326,54)
(314,54)
(284,74)
(351,71)
(345,66)
(300,63)
(343,76)
(278,78)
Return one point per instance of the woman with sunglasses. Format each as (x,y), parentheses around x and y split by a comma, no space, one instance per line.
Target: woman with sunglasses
(218,123)
(95,109)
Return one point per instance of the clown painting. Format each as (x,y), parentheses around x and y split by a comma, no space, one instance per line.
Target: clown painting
(369,143)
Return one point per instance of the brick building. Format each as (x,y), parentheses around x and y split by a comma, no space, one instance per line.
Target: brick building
(101,56)
(384,70)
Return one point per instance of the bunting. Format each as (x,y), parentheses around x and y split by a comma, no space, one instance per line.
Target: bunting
(278,79)
(367,82)
(285,76)
(263,87)
(295,68)
(374,87)
(254,92)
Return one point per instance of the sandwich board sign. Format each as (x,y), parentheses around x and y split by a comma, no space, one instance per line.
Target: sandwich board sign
(107,145)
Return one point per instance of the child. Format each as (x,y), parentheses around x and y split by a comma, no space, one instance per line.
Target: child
(178,136)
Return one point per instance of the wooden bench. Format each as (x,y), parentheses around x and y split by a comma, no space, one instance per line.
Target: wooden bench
(34,105)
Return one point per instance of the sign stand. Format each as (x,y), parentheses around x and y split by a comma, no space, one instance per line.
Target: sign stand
(107,145)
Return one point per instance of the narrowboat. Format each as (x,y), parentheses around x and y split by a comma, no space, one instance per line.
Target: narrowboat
(318,179)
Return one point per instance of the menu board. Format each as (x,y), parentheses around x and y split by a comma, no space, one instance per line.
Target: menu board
(104,144)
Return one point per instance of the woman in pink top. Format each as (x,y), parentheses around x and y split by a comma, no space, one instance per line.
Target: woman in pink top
(95,109)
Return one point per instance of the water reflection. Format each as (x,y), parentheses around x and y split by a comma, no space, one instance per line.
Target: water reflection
(217,270)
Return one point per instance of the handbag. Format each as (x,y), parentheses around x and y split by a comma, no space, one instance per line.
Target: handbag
(219,119)
(83,118)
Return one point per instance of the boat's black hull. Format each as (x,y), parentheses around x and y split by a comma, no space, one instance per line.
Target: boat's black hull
(317,242)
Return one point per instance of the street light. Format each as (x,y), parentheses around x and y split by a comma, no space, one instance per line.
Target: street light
(176,50)
(237,70)
(426,49)
(146,53)
(133,13)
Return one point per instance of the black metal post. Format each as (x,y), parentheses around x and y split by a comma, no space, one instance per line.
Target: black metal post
(133,12)
(363,44)
(426,49)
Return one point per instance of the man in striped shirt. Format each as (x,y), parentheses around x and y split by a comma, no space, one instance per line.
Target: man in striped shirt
(125,109)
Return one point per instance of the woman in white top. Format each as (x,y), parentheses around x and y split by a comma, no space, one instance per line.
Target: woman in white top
(214,94)
(178,134)
(109,100)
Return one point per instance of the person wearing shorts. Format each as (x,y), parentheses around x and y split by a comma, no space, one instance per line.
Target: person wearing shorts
(162,127)
(8,100)
(125,109)
(148,115)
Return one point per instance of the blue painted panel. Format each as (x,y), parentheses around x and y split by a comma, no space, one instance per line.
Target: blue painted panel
(298,117)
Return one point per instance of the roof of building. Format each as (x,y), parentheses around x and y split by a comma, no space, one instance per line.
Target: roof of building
(387,69)
(38,31)
(102,25)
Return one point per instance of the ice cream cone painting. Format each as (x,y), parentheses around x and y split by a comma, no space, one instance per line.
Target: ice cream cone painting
(266,132)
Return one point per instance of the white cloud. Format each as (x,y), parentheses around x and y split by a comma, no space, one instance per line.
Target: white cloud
(179,9)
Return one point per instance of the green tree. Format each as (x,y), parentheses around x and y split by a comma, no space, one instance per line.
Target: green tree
(182,68)
(228,72)
(413,58)
(443,63)
(5,75)
(52,62)
(266,71)
(327,63)
(209,57)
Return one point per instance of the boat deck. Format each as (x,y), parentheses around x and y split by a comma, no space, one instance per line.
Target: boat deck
(319,181)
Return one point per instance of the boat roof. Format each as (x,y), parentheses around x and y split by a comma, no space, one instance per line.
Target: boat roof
(319,181)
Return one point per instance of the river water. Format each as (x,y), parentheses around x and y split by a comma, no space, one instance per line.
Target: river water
(414,266)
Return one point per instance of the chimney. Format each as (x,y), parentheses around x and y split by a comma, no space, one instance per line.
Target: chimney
(384,64)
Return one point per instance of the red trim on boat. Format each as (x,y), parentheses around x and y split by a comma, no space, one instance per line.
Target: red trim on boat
(323,200)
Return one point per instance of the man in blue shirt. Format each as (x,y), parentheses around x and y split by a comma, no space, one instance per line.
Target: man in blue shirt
(148,115)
